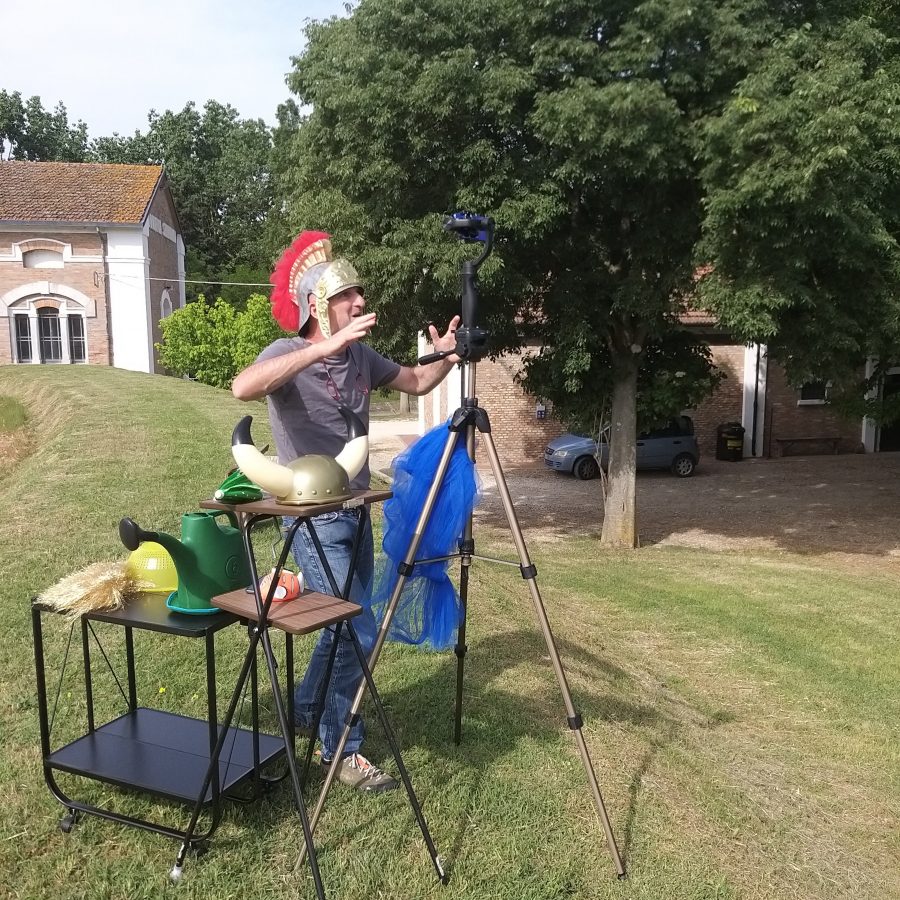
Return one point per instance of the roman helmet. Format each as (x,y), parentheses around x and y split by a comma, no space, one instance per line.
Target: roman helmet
(308,267)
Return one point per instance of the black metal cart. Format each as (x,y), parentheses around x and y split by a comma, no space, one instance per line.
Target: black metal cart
(150,750)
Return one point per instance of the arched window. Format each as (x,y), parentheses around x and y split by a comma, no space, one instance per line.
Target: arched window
(165,305)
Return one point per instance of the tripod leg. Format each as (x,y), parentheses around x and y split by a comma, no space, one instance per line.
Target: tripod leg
(405,570)
(466,547)
(529,573)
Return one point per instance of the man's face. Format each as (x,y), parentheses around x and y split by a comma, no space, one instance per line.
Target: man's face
(345,306)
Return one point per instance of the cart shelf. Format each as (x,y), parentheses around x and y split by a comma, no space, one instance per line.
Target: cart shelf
(162,753)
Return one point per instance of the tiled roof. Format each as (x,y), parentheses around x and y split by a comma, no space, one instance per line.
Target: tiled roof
(76,192)
(693,315)
(697,317)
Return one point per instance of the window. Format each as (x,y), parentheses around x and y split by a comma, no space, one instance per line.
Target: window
(49,336)
(814,393)
(42,259)
(165,305)
(77,344)
(23,338)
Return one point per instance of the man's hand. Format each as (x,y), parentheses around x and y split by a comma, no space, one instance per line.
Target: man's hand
(447,341)
(358,328)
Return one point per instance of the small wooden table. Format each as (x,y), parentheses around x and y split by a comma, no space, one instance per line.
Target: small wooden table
(308,612)
(270,507)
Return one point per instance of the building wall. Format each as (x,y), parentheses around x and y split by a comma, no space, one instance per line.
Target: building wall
(161,233)
(127,269)
(726,403)
(107,276)
(519,435)
(786,419)
(79,283)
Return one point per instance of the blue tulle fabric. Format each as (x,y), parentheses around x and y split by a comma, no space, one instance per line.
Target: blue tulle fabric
(428,610)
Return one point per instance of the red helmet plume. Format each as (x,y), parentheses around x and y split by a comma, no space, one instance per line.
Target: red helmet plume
(308,249)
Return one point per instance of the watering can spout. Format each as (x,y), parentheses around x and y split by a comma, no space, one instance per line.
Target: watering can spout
(132,536)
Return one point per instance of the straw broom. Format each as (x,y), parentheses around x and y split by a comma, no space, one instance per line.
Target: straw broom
(99,586)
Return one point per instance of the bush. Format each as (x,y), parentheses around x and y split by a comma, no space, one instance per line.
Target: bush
(212,343)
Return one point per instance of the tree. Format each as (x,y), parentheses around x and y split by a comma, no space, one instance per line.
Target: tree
(579,126)
(803,209)
(218,169)
(31,132)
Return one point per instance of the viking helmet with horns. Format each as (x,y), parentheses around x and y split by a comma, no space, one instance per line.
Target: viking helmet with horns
(308,479)
(307,267)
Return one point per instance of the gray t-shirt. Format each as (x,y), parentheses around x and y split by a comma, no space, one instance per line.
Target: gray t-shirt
(303,412)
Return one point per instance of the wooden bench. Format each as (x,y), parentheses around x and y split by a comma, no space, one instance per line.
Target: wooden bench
(784,444)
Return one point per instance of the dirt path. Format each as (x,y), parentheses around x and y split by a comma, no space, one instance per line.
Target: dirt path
(845,504)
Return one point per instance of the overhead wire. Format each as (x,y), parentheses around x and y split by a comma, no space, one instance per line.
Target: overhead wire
(119,276)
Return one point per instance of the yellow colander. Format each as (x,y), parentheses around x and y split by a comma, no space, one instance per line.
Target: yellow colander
(152,564)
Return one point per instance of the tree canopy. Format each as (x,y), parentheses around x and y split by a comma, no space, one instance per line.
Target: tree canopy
(31,132)
(588,131)
(803,205)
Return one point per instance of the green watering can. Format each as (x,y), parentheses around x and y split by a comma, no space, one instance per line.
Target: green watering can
(209,558)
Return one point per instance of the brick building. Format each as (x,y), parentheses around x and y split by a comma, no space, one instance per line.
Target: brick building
(91,258)
(520,423)
(777,418)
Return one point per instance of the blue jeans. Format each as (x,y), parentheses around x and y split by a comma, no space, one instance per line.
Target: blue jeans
(335,532)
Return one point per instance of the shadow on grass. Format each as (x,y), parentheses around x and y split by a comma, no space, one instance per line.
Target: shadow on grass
(498,719)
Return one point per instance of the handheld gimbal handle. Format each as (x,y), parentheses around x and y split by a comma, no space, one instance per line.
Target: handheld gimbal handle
(471,341)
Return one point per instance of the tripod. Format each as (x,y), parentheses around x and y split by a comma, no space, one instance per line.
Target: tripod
(470,347)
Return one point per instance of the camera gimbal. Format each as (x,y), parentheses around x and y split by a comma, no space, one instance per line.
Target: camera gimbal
(471,341)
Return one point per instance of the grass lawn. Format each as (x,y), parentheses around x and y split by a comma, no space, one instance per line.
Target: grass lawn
(741,710)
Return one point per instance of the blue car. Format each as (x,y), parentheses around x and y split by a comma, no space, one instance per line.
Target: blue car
(673,447)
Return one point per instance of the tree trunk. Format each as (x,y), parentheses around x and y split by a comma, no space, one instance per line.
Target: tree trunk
(619,525)
(404,404)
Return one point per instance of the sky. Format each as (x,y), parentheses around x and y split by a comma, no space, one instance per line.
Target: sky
(112,61)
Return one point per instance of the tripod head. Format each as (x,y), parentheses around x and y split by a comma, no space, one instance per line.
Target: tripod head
(471,341)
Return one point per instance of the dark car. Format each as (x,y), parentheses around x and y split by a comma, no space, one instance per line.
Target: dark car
(673,447)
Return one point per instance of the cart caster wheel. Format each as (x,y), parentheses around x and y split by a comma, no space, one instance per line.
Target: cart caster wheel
(175,874)
(67,823)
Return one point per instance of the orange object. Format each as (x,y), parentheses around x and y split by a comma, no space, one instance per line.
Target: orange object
(289,586)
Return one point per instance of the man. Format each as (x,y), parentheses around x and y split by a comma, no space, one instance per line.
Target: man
(305,380)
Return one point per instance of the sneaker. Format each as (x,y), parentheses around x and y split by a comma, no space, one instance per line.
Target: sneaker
(357,772)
